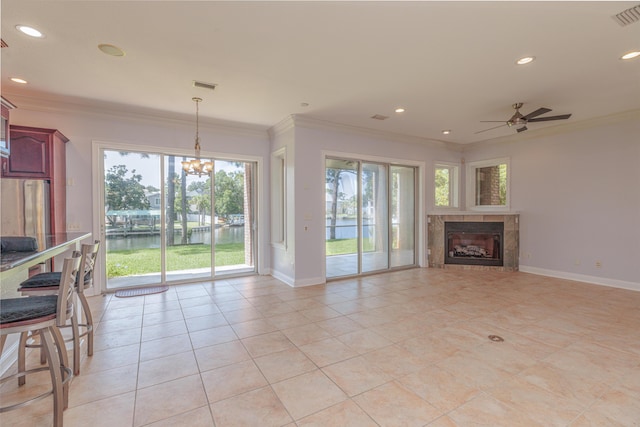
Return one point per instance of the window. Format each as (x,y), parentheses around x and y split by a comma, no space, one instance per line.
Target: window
(488,184)
(446,185)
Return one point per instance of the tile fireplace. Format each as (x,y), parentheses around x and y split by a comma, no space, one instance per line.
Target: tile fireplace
(473,243)
(471,240)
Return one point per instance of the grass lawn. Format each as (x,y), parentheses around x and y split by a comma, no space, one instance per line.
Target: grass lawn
(143,261)
(347,246)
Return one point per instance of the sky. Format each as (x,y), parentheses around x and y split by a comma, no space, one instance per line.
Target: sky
(149,167)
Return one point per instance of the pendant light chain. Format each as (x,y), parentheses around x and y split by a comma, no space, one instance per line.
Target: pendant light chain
(197,166)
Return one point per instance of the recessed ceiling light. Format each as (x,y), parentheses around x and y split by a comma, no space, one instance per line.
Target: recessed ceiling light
(110,49)
(30,31)
(446,132)
(18,80)
(630,55)
(525,60)
(400,110)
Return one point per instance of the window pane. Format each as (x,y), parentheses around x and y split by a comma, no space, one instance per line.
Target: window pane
(132,217)
(188,222)
(341,217)
(491,185)
(402,216)
(374,217)
(443,187)
(234,213)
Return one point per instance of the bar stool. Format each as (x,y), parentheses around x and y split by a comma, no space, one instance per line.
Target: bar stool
(48,284)
(44,314)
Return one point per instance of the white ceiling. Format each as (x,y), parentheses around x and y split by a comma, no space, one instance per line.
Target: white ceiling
(450,64)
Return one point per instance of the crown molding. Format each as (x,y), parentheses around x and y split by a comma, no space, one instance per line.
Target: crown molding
(557,130)
(310,122)
(48,103)
(281,127)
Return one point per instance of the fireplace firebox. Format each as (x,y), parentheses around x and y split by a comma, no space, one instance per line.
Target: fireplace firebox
(474,243)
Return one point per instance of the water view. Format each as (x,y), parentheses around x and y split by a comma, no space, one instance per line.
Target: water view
(345,229)
(222,235)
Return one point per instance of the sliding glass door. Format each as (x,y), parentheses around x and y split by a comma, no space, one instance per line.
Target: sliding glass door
(132,211)
(342,217)
(162,225)
(235,224)
(403,217)
(187,220)
(374,217)
(370,217)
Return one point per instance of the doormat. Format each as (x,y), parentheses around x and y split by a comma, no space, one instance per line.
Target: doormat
(126,293)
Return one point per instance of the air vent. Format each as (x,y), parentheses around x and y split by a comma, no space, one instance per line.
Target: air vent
(3,44)
(628,16)
(379,117)
(210,86)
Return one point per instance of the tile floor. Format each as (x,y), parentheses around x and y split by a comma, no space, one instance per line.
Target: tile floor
(407,348)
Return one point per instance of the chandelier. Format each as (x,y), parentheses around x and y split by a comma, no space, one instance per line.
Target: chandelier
(197,166)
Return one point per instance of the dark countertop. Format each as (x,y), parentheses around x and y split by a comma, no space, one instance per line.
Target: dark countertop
(48,247)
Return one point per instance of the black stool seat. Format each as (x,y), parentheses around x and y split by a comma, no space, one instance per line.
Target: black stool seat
(46,280)
(42,280)
(18,244)
(16,310)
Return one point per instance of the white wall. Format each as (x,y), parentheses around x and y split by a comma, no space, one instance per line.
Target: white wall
(578,194)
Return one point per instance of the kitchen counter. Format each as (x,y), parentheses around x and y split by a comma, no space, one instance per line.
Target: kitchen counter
(15,263)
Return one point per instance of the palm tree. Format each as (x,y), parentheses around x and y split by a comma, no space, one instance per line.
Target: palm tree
(171,198)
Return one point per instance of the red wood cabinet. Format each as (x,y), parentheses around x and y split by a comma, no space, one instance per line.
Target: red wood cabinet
(38,153)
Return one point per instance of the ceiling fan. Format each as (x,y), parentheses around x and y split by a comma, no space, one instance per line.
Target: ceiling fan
(519,120)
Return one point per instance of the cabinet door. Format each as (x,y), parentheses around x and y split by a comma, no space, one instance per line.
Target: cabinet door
(29,156)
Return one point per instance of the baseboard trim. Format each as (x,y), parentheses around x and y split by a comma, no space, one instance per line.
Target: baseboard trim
(310,282)
(602,281)
(298,283)
(283,278)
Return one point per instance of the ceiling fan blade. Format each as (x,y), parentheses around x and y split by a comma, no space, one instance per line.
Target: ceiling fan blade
(536,113)
(546,119)
(492,121)
(522,129)
(484,130)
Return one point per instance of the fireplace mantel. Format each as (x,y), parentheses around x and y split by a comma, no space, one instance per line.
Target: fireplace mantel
(436,242)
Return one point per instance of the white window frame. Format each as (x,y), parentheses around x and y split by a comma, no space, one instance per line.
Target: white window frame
(454,184)
(279,198)
(471,184)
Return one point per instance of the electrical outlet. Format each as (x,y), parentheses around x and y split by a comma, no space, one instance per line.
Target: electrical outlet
(598,264)
(578,262)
